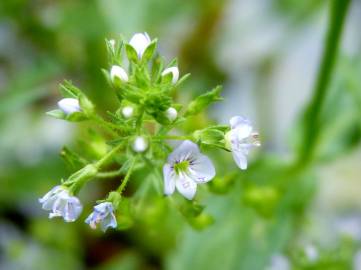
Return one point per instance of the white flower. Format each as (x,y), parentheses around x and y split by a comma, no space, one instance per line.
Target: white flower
(62,204)
(140,144)
(69,105)
(171,113)
(240,139)
(140,42)
(119,73)
(174,71)
(103,214)
(127,111)
(185,168)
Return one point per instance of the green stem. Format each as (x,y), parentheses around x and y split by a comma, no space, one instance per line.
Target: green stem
(338,13)
(110,174)
(174,137)
(109,126)
(107,156)
(127,176)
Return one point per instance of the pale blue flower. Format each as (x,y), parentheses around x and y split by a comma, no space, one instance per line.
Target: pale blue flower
(185,168)
(241,139)
(103,214)
(61,204)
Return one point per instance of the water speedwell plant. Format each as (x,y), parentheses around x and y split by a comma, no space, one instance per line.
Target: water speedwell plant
(139,132)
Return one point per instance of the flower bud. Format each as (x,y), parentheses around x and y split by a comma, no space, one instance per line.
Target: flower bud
(171,113)
(69,105)
(119,73)
(174,71)
(127,111)
(140,42)
(140,144)
(112,43)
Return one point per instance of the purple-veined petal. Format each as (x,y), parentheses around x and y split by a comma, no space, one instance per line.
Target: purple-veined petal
(202,169)
(186,186)
(183,151)
(169,181)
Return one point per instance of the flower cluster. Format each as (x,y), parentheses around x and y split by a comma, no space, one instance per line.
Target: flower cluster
(138,133)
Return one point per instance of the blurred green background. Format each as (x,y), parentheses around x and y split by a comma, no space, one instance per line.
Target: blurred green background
(266,54)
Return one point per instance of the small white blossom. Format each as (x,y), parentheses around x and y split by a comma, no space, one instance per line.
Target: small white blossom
(140,42)
(127,111)
(174,71)
(62,204)
(140,144)
(69,105)
(185,168)
(241,139)
(171,113)
(119,73)
(103,214)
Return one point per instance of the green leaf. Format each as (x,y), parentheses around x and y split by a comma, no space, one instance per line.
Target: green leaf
(131,53)
(157,68)
(149,51)
(74,160)
(86,105)
(68,90)
(59,114)
(173,63)
(114,53)
(202,101)
(76,117)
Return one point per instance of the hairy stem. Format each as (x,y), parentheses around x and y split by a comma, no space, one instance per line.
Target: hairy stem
(338,14)
(127,176)
(107,156)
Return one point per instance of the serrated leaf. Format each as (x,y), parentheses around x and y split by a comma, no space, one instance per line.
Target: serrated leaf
(203,101)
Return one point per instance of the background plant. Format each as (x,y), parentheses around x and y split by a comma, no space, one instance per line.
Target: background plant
(268,210)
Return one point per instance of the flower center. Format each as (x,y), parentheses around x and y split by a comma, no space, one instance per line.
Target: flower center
(181,166)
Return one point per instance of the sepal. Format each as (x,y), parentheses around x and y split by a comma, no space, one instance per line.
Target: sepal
(149,51)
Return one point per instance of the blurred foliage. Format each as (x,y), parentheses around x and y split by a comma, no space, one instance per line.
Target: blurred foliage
(248,218)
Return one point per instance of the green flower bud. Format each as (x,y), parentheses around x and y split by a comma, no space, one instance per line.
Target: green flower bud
(262,198)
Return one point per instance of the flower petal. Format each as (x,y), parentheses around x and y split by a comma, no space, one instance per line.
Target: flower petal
(240,159)
(140,42)
(237,120)
(183,151)
(72,210)
(69,105)
(169,181)
(202,169)
(186,186)
(108,221)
